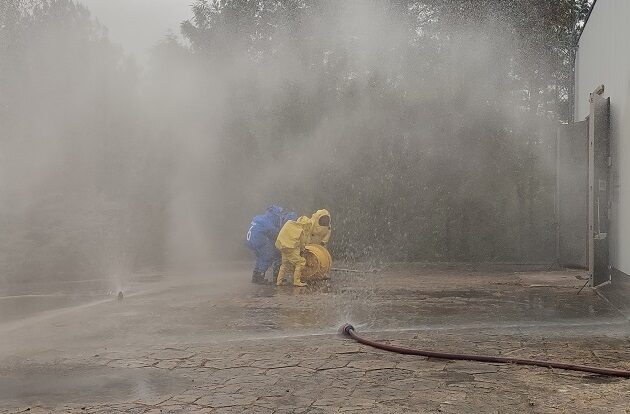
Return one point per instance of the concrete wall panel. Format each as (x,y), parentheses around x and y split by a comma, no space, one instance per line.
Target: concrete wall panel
(604,58)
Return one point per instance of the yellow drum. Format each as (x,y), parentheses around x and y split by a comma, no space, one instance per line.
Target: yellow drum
(318,262)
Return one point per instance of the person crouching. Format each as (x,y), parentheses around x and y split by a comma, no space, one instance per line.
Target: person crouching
(291,242)
(261,238)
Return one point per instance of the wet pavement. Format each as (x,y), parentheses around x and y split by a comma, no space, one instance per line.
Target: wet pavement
(216,343)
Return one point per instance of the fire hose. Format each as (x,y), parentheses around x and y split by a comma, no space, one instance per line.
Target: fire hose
(349,331)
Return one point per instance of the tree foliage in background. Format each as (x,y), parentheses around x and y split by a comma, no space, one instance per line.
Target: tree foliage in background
(69,169)
(426,127)
(436,143)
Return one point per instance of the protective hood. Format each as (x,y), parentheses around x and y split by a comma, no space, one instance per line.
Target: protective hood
(274,215)
(319,214)
(320,234)
(274,209)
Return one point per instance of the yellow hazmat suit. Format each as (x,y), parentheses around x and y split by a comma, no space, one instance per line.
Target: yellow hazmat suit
(320,234)
(292,239)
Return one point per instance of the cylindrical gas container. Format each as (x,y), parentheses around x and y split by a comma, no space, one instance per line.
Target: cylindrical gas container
(318,262)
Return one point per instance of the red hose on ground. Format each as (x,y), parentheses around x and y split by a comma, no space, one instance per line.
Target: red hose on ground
(349,330)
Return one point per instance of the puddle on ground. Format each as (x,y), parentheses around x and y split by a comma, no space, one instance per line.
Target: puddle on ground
(19,307)
(325,305)
(87,385)
(197,311)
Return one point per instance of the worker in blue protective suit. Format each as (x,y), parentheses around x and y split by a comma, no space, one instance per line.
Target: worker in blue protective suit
(261,238)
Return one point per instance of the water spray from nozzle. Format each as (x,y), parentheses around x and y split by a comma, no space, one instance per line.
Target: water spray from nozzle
(345,329)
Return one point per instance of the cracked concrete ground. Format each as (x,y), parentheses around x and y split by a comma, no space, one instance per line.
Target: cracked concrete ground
(217,344)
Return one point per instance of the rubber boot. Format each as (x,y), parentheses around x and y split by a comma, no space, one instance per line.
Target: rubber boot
(281,273)
(258,278)
(263,280)
(297,274)
(276,269)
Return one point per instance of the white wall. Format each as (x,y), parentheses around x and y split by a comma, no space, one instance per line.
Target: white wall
(604,58)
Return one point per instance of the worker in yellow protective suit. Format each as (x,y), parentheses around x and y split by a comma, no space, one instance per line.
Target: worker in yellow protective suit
(291,241)
(320,233)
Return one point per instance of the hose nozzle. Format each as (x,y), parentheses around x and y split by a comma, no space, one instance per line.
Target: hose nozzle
(345,329)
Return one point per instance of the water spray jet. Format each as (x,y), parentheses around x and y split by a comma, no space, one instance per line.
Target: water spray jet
(338,269)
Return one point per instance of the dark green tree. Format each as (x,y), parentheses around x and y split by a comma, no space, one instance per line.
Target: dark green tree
(433,122)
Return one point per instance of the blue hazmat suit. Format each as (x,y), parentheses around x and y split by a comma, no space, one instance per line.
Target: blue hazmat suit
(262,234)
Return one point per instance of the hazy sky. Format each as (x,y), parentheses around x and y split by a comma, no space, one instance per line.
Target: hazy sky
(138,24)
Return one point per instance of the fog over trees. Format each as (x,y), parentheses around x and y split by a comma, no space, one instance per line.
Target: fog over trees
(427,128)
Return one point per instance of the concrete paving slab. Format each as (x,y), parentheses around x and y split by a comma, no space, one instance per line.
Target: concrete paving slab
(217,344)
